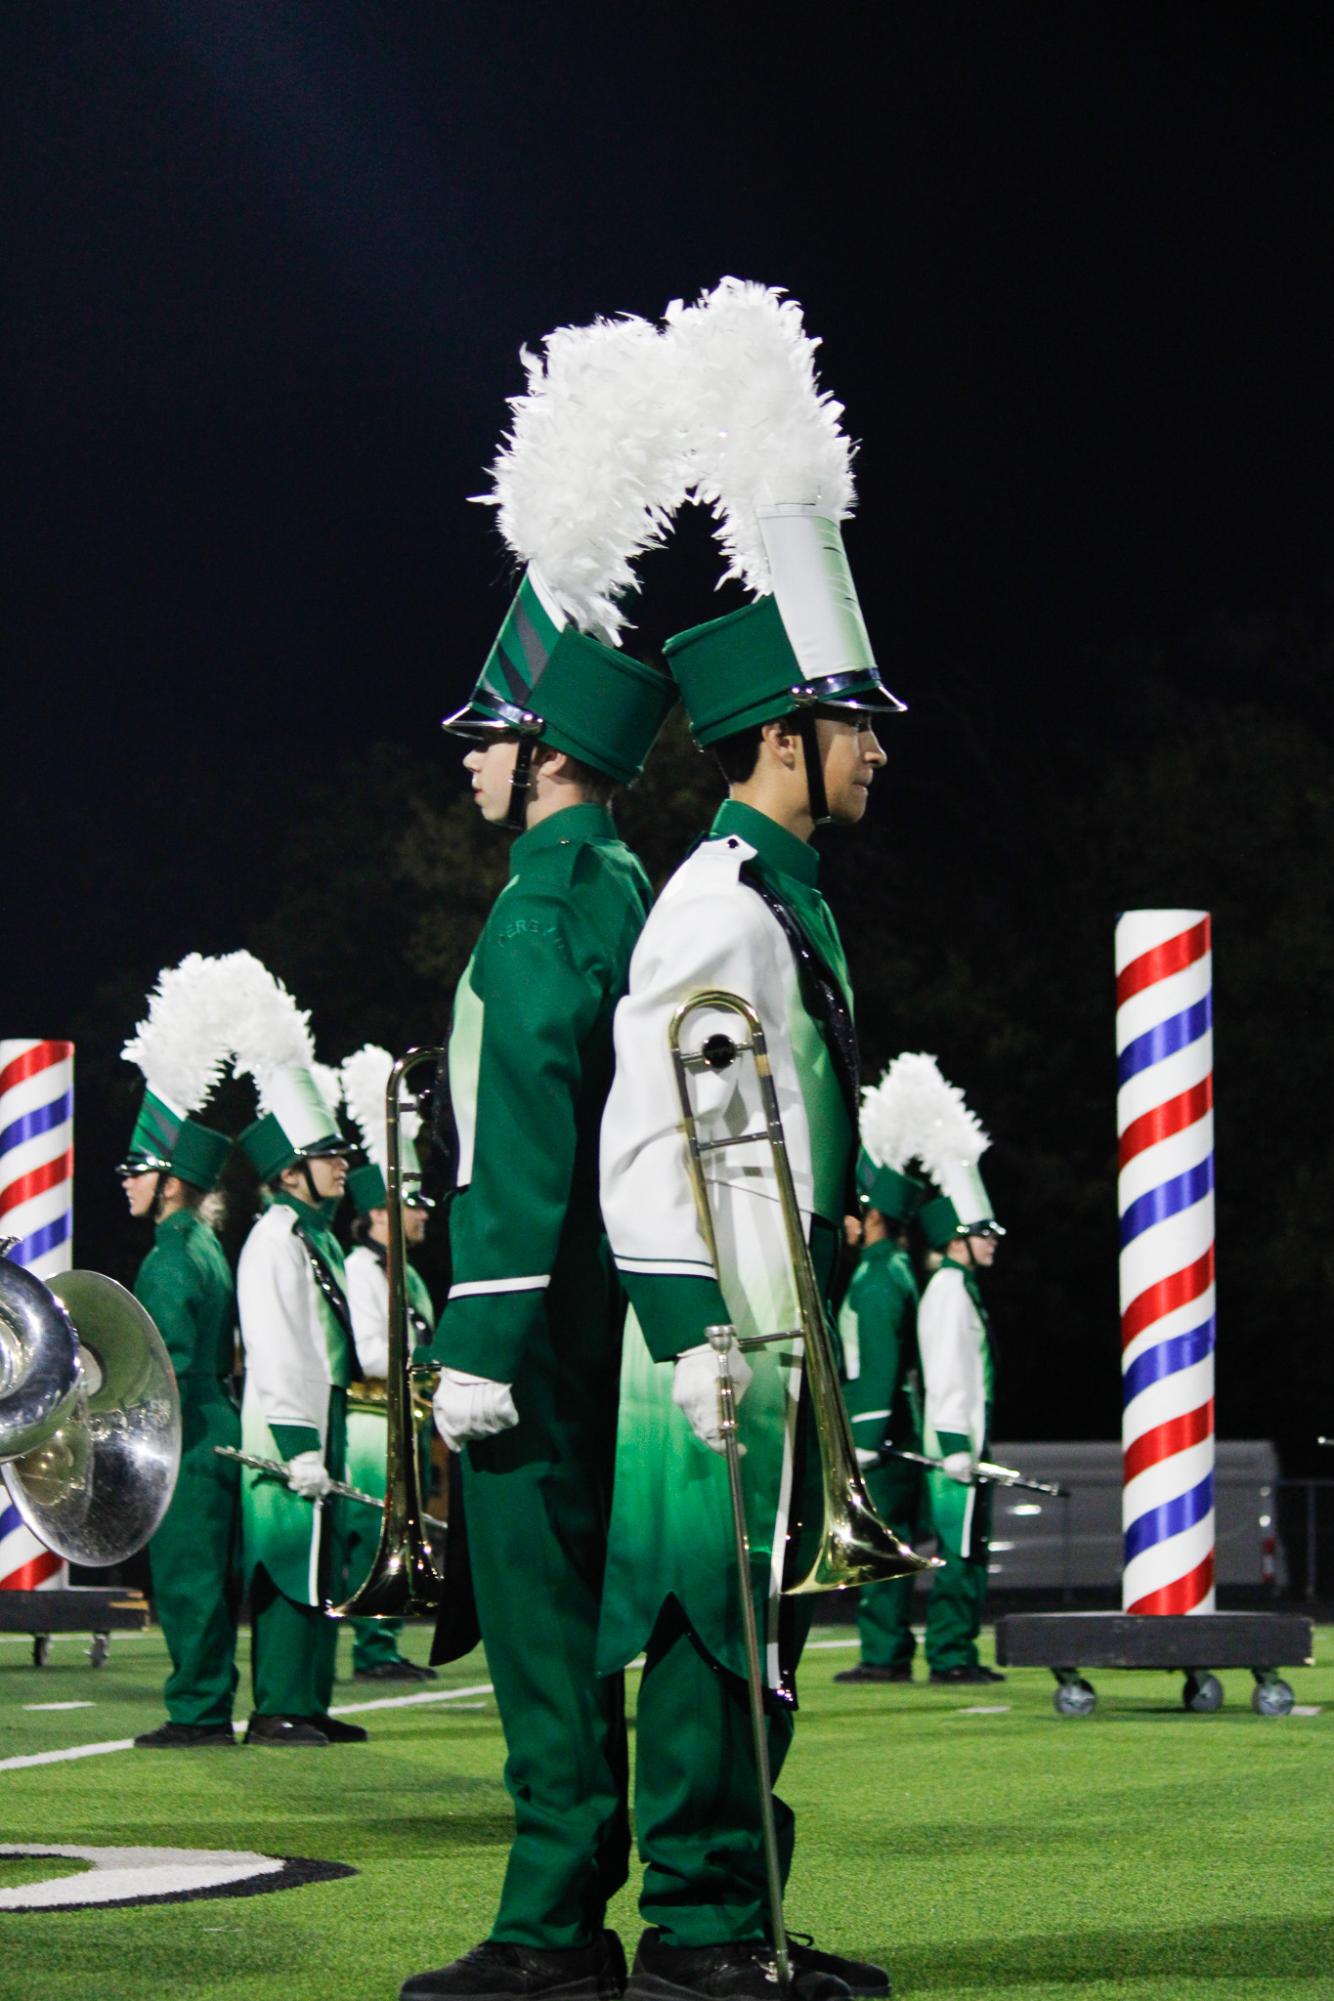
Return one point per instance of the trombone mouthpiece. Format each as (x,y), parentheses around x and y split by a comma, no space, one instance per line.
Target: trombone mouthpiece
(721,1339)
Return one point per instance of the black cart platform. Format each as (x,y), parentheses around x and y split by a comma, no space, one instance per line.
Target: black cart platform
(1067,1642)
(94,1609)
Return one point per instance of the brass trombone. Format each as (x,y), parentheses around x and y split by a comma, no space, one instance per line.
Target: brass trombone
(403,1580)
(855,1546)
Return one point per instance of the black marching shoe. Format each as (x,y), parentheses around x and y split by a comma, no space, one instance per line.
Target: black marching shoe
(336,1732)
(185,1737)
(859,1976)
(495,1971)
(951,1677)
(727,1973)
(867,1671)
(395,1670)
(274,1730)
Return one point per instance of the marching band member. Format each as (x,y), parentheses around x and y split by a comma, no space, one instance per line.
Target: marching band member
(296,1330)
(882,1388)
(364,1077)
(784,692)
(170,1170)
(529,1337)
(958,1376)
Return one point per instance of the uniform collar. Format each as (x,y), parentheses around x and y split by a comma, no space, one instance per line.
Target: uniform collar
(315,1216)
(585,822)
(177,1224)
(777,849)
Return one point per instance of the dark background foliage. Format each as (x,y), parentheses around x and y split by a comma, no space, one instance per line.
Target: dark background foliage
(268,268)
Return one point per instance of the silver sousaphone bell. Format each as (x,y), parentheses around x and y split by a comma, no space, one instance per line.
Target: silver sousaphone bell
(90,1416)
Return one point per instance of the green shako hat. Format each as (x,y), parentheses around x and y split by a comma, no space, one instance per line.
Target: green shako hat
(769,456)
(887,1148)
(364,1078)
(297,1095)
(586,481)
(949,1141)
(181,1048)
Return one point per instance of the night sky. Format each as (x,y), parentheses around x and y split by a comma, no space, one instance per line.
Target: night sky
(267,272)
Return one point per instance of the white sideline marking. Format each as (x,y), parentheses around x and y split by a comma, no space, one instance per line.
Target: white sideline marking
(57,1705)
(1306,1709)
(986,1709)
(344,1709)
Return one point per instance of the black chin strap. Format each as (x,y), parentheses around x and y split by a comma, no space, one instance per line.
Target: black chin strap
(810,743)
(155,1213)
(521,784)
(315,1199)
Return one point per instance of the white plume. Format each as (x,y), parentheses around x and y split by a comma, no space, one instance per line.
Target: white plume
(365,1078)
(269,1031)
(181,1047)
(593,465)
(930,1118)
(763,433)
(329,1083)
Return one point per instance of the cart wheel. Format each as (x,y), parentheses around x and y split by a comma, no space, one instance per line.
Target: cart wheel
(1272,1696)
(98,1649)
(41,1647)
(1074,1697)
(1202,1693)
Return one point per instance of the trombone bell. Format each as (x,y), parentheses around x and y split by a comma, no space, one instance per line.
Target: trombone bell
(90,1417)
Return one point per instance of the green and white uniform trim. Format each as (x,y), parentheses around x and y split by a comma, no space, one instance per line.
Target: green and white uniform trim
(958,1378)
(671,1526)
(298,1356)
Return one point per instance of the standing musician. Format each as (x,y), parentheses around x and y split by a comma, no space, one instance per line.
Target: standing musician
(364,1077)
(784,692)
(185,1282)
(529,1339)
(877,1328)
(296,1329)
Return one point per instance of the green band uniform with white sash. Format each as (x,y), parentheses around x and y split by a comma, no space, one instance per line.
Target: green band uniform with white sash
(534,1302)
(298,1366)
(882,1388)
(958,1376)
(374,1641)
(671,1572)
(185,1282)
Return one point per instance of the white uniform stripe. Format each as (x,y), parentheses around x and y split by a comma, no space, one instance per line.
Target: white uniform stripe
(480,1288)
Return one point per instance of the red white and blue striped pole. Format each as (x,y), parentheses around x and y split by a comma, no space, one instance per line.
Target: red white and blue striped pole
(37,1207)
(1165,1123)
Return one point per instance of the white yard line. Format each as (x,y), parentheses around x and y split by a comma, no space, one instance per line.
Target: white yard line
(344,1709)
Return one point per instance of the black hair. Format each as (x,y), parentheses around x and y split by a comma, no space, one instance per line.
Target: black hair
(736,756)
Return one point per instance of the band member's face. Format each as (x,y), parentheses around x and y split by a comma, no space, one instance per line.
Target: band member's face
(491,767)
(141,1191)
(328,1175)
(983,1250)
(414,1225)
(852,755)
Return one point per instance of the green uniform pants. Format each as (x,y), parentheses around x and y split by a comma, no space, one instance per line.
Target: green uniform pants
(884,1611)
(954,1611)
(696,1797)
(536,1502)
(293,1646)
(194,1559)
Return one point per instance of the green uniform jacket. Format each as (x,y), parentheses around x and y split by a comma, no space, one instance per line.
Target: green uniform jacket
(297,1357)
(529,1069)
(878,1331)
(671,1531)
(958,1380)
(185,1283)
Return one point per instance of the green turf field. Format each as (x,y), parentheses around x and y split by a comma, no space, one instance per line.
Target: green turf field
(979,1848)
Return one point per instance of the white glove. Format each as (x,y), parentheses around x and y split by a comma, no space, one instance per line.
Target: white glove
(468,1407)
(866,1458)
(960,1466)
(308,1476)
(695,1390)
